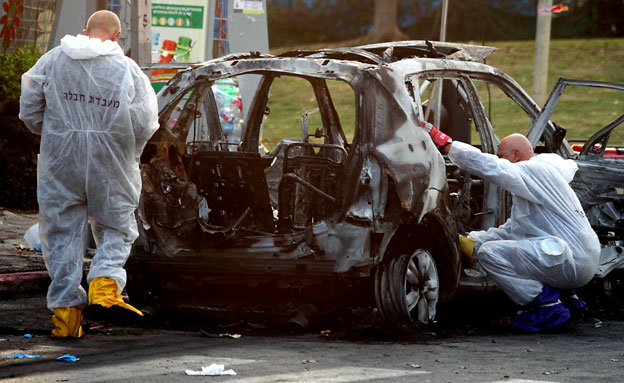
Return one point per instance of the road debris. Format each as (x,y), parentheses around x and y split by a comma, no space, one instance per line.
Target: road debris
(68,358)
(228,335)
(555,372)
(32,238)
(212,370)
(414,365)
(22,356)
(27,336)
(220,335)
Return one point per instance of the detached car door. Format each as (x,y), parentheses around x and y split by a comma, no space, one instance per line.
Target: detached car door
(598,149)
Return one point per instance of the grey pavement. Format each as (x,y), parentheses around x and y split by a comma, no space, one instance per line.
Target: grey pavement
(21,269)
(589,351)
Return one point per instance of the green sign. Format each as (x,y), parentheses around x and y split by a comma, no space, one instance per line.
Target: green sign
(177,16)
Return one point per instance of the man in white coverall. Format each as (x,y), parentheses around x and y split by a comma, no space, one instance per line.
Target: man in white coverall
(95,111)
(547,244)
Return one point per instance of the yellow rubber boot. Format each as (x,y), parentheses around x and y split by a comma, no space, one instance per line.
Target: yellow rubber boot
(67,322)
(466,246)
(103,292)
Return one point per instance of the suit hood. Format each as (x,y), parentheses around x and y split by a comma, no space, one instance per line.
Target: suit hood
(81,47)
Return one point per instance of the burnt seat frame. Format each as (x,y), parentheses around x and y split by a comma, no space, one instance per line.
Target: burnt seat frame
(319,177)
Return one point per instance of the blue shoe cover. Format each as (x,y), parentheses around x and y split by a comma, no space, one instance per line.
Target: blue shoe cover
(578,305)
(574,303)
(546,311)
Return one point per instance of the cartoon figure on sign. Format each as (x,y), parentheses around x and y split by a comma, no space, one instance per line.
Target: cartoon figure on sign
(167,55)
(11,20)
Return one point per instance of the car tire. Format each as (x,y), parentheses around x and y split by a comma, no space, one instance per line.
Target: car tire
(407,288)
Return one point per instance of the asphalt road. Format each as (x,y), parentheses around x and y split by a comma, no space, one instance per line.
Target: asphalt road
(473,342)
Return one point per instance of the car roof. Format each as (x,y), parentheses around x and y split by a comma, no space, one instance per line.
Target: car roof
(342,63)
(375,54)
(390,52)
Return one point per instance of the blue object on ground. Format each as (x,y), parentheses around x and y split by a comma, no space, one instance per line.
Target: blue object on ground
(578,305)
(22,356)
(28,336)
(544,312)
(68,358)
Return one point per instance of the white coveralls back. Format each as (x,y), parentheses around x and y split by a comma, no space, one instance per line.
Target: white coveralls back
(95,111)
(548,239)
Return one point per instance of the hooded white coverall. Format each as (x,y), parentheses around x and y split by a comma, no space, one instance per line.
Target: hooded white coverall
(95,111)
(548,239)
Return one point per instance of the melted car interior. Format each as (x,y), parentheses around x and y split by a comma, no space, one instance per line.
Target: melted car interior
(241,186)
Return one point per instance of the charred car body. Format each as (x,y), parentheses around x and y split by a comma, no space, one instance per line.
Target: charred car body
(378,209)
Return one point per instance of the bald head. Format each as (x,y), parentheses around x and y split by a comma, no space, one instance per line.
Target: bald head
(515,148)
(104,25)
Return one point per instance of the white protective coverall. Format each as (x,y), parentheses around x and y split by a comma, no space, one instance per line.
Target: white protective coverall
(548,239)
(95,111)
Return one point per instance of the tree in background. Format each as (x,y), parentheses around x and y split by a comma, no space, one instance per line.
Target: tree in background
(317,21)
(478,20)
(385,22)
(321,21)
(18,146)
(590,18)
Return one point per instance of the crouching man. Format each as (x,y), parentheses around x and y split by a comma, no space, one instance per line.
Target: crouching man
(547,246)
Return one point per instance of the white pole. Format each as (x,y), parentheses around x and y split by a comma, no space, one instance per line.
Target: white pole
(141,33)
(443,20)
(438,109)
(542,46)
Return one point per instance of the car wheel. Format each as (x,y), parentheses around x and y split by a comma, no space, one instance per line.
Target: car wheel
(407,287)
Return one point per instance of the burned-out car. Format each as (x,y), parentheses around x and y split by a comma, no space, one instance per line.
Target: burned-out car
(351,198)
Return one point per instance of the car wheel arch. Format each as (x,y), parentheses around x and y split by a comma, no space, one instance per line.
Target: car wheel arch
(430,234)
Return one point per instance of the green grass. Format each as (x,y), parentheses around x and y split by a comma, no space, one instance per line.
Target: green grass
(581,112)
(293,96)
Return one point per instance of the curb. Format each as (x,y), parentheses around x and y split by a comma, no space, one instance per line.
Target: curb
(25,282)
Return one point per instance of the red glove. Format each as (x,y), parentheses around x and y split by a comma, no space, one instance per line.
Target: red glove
(437,136)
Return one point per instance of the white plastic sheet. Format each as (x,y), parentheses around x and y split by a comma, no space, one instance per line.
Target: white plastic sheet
(212,370)
(32,237)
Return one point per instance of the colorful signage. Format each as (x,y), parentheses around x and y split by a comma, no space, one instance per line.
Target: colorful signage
(178,35)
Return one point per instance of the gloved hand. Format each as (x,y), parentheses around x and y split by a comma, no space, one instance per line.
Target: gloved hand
(466,246)
(437,136)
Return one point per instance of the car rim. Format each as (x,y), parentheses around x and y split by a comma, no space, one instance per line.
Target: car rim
(421,287)
(406,288)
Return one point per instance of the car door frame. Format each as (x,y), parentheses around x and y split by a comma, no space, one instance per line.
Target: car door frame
(538,131)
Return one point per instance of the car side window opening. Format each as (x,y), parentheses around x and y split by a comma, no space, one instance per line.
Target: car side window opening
(575,98)
(180,119)
(505,115)
(455,117)
(475,202)
(296,97)
(194,119)
(320,119)
(311,154)
(305,147)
